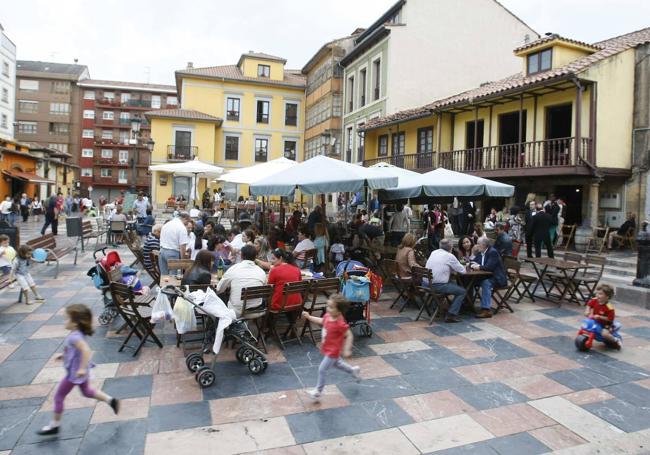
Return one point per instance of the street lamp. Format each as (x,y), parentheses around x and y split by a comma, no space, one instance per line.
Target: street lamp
(136,122)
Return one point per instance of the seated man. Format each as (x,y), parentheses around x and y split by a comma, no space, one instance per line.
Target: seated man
(304,244)
(152,242)
(503,243)
(621,232)
(195,212)
(240,276)
(145,224)
(488,259)
(374,235)
(441,263)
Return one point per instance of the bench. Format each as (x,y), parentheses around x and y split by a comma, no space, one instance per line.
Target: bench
(54,253)
(6,280)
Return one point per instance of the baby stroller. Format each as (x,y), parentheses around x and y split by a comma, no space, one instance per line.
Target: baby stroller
(355,286)
(100,274)
(237,331)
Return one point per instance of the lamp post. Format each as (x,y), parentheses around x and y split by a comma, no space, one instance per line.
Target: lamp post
(136,122)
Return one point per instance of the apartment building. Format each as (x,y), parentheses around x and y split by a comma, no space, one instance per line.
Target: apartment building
(7,85)
(109,158)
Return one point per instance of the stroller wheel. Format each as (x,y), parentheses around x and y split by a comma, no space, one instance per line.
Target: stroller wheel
(205,377)
(245,354)
(366,330)
(194,362)
(256,365)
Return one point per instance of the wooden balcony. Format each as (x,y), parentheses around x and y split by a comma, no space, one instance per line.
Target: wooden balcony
(546,157)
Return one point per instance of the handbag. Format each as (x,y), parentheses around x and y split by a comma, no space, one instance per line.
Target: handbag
(356,289)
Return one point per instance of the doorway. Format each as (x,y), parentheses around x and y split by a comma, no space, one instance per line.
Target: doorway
(558,135)
(474,151)
(572,195)
(509,147)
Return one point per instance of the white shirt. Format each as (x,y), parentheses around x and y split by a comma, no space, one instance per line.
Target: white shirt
(442,263)
(194,213)
(190,246)
(174,234)
(217,197)
(408,211)
(304,245)
(140,207)
(240,276)
(5,207)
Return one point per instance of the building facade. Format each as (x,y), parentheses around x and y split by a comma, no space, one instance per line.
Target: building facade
(232,116)
(7,86)
(409,53)
(324,98)
(20,170)
(563,124)
(48,105)
(108,158)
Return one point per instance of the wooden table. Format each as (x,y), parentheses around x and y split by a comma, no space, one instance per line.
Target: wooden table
(568,269)
(172,280)
(468,281)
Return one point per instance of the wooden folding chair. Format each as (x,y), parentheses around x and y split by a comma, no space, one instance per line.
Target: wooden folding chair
(292,312)
(584,284)
(519,280)
(137,316)
(117,230)
(403,287)
(258,313)
(154,269)
(310,258)
(501,295)
(568,232)
(324,287)
(432,301)
(557,278)
(598,240)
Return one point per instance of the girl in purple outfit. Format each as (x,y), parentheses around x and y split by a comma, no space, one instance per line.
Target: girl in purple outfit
(76,360)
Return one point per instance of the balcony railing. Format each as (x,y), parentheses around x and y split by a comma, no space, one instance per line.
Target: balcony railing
(181,152)
(117,180)
(549,153)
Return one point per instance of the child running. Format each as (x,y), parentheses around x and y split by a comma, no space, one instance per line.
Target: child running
(23,277)
(76,360)
(336,340)
(601,310)
(7,255)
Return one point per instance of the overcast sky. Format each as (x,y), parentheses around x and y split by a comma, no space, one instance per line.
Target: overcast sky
(146,40)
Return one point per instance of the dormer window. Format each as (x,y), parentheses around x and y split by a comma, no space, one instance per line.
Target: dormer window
(539,61)
(263,71)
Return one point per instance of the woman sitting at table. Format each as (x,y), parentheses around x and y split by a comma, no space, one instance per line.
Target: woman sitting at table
(217,245)
(199,273)
(263,258)
(465,251)
(283,271)
(197,242)
(405,256)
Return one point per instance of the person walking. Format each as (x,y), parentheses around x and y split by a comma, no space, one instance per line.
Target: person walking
(541,231)
(25,205)
(528,228)
(51,216)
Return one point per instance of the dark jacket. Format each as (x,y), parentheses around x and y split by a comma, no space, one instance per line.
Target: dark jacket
(541,225)
(503,244)
(554,212)
(529,223)
(493,263)
(197,275)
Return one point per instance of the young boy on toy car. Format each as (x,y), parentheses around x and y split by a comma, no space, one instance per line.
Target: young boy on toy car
(601,310)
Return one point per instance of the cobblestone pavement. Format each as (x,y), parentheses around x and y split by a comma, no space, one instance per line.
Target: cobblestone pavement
(513,384)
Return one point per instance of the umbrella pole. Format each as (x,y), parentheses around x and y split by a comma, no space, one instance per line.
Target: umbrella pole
(263,217)
(324,207)
(345,209)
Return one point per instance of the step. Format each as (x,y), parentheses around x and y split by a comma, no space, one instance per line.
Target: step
(633,295)
(622,262)
(628,271)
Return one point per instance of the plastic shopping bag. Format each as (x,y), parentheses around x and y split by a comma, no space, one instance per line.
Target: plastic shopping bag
(184,316)
(162,310)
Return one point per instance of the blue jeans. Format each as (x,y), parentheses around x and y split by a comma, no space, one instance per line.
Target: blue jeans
(452,289)
(486,293)
(166,254)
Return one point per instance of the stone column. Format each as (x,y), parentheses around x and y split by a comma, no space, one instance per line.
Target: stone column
(592,212)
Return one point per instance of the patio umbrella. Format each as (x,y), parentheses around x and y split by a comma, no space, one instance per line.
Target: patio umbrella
(193,168)
(445,184)
(252,174)
(322,175)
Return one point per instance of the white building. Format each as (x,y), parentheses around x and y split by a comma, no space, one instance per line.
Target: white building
(7,85)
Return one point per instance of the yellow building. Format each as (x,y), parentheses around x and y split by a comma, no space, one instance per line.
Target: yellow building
(563,125)
(232,116)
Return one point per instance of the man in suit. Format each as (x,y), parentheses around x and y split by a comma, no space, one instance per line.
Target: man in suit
(530,214)
(489,259)
(469,212)
(541,231)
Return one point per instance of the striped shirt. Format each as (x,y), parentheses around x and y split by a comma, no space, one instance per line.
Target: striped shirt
(151,243)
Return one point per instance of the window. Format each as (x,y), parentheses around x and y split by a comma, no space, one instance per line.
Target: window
(28,85)
(106,172)
(59,108)
(88,134)
(121,176)
(89,94)
(60,87)
(27,127)
(232,109)
(59,128)
(425,140)
(290,148)
(263,71)
(362,87)
(107,134)
(109,95)
(155,101)
(107,153)
(539,61)
(3,123)
(59,147)
(382,149)
(350,94)
(376,78)
(87,153)
(5,95)
(172,100)
(86,172)
(263,108)
(399,143)
(108,115)
(124,137)
(232,148)
(291,114)
(88,113)
(123,156)
(5,69)
(362,143)
(348,148)
(261,149)
(125,97)
(27,107)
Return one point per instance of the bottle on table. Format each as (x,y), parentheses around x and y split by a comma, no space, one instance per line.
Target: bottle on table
(220,267)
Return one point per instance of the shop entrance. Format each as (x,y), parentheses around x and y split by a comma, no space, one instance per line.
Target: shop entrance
(572,195)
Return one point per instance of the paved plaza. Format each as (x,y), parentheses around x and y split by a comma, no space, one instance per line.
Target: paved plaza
(513,384)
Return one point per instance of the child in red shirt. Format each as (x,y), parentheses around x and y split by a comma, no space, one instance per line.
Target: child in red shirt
(336,340)
(601,310)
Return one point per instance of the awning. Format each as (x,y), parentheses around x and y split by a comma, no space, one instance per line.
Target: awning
(27,176)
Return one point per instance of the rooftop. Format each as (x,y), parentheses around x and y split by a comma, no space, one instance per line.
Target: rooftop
(552,37)
(292,78)
(50,67)
(97,83)
(261,56)
(188,114)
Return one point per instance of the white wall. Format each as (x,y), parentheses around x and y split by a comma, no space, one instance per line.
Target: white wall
(8,54)
(449,46)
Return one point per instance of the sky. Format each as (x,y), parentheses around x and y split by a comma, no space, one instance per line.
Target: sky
(146,40)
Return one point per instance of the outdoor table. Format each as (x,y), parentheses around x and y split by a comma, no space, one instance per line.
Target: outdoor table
(468,281)
(173,280)
(568,269)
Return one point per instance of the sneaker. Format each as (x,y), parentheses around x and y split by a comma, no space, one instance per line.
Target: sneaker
(356,371)
(115,404)
(314,394)
(48,430)
(39,298)
(12,285)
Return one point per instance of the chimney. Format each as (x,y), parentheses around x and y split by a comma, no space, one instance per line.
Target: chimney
(190,65)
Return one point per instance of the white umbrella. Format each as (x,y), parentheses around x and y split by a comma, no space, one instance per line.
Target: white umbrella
(406,177)
(193,168)
(322,175)
(252,174)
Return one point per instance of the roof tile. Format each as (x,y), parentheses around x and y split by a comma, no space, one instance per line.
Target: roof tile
(189,114)
(291,78)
